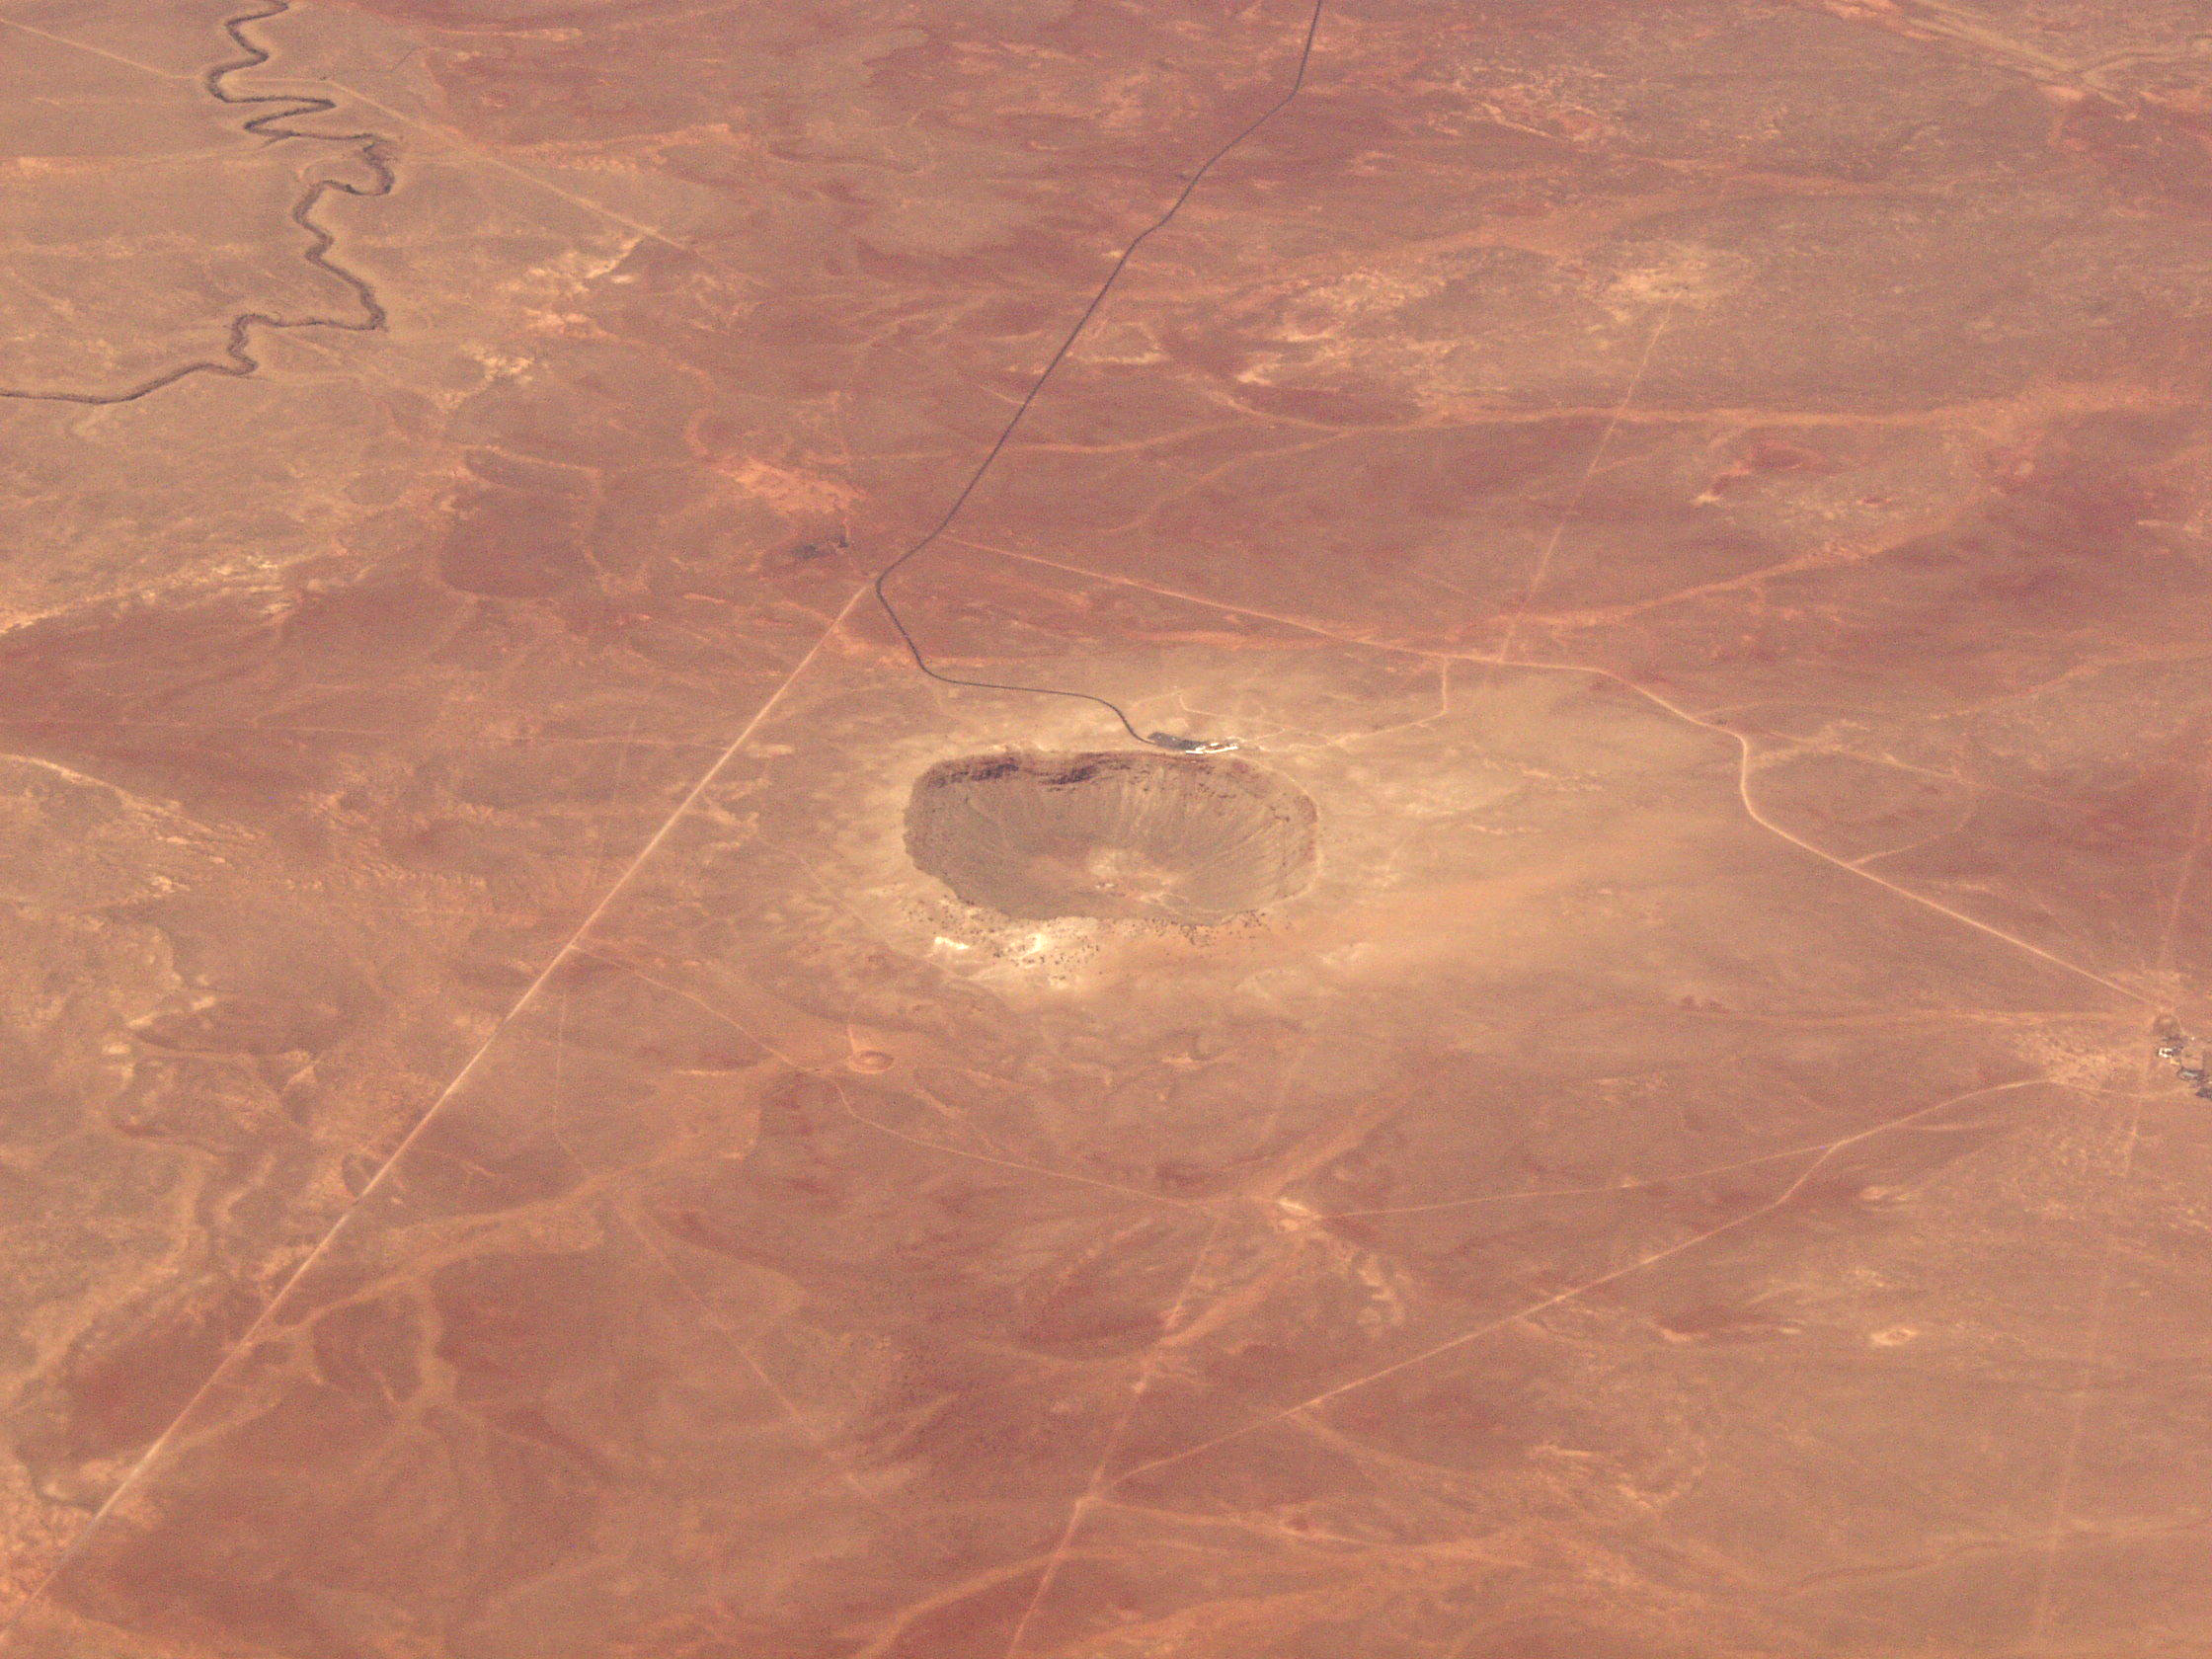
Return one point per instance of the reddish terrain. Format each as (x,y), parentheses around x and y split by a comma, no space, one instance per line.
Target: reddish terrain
(564,1101)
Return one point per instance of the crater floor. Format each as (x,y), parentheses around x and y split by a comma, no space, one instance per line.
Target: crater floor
(1171,838)
(560,1100)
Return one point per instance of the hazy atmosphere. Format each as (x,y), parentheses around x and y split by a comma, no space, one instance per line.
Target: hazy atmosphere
(1105,828)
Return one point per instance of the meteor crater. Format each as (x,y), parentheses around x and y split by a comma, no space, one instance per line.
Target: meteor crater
(1189,839)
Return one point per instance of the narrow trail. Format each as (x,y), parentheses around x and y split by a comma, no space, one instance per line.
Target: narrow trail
(281,1301)
(237,360)
(1746,753)
(1037,386)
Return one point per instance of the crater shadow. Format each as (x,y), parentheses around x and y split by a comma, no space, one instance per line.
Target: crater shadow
(1192,840)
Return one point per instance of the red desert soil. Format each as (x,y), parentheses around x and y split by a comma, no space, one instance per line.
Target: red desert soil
(573,1084)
